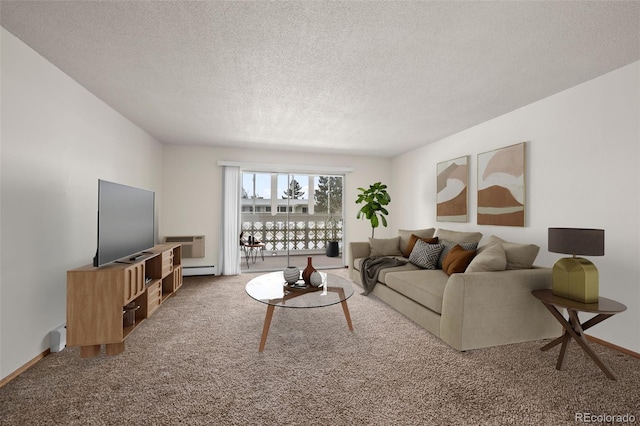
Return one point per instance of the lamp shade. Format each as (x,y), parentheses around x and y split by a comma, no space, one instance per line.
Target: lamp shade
(576,241)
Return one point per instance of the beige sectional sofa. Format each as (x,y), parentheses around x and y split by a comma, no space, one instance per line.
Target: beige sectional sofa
(488,304)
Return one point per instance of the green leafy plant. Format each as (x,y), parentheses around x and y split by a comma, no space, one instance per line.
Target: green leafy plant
(374,199)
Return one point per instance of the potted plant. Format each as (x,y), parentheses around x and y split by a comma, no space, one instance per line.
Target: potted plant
(333,248)
(374,199)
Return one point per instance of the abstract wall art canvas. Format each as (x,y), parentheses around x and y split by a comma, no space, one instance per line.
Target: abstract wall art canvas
(451,196)
(501,186)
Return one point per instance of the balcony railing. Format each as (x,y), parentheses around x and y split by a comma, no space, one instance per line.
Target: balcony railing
(299,232)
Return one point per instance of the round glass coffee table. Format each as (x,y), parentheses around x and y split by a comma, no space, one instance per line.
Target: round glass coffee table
(272,290)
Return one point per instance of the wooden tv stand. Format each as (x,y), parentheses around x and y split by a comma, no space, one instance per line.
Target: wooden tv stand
(96,297)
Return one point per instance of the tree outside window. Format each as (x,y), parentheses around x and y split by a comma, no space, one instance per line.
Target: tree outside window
(328,195)
(294,192)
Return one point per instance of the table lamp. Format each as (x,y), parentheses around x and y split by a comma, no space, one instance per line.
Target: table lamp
(574,277)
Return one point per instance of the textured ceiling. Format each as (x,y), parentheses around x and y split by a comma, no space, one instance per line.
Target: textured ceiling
(375,78)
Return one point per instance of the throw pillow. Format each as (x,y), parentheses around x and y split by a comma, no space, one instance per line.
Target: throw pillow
(491,258)
(412,243)
(457,260)
(448,245)
(425,255)
(405,236)
(519,255)
(384,246)
(491,241)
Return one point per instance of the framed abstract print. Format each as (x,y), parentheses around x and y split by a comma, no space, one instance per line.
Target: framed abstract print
(451,198)
(501,186)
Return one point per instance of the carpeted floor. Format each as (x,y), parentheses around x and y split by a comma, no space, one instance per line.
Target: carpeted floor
(196,361)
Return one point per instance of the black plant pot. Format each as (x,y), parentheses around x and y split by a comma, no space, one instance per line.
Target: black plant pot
(332,249)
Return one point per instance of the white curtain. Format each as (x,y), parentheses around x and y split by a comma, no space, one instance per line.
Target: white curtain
(230,225)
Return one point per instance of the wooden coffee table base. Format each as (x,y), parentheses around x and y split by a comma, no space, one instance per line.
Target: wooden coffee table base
(270,309)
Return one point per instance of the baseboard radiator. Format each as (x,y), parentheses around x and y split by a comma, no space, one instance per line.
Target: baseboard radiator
(188,271)
(192,245)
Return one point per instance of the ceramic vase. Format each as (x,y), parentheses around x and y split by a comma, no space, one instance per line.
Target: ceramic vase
(306,274)
(315,279)
(291,274)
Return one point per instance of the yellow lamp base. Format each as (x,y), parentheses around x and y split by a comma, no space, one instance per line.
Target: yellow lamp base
(577,279)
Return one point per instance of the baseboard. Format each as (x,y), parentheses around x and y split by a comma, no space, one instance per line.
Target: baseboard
(188,271)
(24,368)
(612,346)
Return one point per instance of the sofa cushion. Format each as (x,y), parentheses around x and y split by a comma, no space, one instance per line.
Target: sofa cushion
(458,237)
(425,255)
(448,245)
(457,260)
(412,242)
(408,267)
(405,237)
(385,246)
(519,256)
(424,286)
(492,258)
(383,273)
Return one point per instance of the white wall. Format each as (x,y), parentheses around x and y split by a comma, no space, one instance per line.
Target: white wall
(583,162)
(192,189)
(57,140)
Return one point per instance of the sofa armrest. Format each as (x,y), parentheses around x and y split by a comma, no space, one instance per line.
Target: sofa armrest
(481,309)
(357,250)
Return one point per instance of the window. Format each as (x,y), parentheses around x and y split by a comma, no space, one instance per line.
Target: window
(292,211)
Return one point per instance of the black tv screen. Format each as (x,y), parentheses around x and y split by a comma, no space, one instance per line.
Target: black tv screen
(125,222)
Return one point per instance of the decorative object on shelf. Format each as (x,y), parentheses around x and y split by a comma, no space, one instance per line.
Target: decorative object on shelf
(315,279)
(291,274)
(129,314)
(574,277)
(451,198)
(306,273)
(501,186)
(374,199)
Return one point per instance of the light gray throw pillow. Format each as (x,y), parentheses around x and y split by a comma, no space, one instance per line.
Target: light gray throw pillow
(385,246)
(519,255)
(492,258)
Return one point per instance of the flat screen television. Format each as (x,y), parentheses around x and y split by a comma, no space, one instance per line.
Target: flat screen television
(125,222)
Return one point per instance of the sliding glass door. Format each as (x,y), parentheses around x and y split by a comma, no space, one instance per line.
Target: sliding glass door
(293,213)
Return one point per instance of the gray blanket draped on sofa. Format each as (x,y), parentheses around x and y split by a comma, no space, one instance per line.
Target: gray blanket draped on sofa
(371,267)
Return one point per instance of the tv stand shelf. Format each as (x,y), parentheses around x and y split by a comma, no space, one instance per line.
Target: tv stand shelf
(96,297)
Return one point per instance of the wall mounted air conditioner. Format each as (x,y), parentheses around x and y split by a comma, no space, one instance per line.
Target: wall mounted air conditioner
(192,245)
